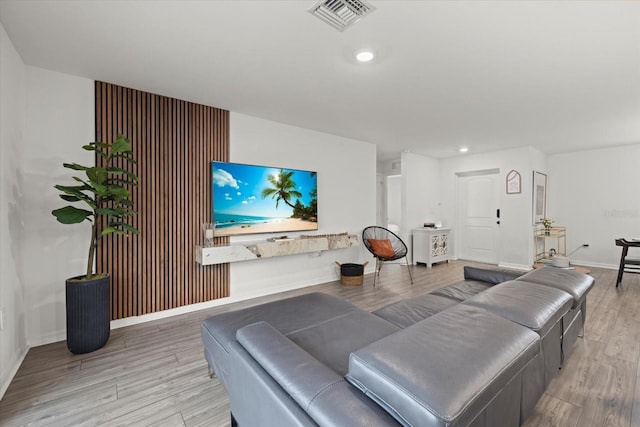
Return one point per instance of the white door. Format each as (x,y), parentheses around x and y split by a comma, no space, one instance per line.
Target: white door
(478,217)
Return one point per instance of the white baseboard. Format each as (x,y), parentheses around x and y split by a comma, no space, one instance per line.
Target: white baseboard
(7,376)
(595,264)
(49,338)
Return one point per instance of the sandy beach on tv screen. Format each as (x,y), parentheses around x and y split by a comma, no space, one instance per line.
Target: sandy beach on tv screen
(290,224)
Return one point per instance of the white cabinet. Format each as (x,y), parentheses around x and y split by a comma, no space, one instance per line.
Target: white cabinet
(431,245)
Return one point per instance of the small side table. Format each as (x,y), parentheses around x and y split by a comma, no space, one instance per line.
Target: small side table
(431,245)
(575,268)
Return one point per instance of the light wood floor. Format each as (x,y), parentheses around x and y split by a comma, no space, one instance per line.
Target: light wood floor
(155,373)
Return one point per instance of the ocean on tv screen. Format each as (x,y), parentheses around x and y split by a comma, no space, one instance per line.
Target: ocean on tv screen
(251,199)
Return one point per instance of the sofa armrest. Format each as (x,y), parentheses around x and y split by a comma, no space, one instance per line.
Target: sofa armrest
(312,385)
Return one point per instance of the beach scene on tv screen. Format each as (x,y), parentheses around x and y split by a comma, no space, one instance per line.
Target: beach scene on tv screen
(249,199)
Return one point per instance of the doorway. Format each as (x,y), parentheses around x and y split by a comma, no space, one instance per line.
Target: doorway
(394,203)
(479,216)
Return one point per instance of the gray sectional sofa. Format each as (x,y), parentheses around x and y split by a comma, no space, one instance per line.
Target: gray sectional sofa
(479,352)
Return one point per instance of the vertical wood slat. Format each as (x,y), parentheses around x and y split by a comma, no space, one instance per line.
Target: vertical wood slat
(174,143)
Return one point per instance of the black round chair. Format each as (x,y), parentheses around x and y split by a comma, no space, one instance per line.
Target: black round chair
(384,245)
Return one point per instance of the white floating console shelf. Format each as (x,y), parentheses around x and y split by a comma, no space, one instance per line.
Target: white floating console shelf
(244,251)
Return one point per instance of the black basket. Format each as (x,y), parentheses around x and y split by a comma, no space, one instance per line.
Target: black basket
(351,274)
(351,269)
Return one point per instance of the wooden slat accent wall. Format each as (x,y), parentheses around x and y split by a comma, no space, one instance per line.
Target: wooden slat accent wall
(174,143)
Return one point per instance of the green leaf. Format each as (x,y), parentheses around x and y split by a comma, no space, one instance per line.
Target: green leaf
(109,211)
(108,230)
(102,154)
(86,184)
(124,182)
(121,145)
(78,196)
(120,171)
(75,166)
(126,156)
(89,147)
(76,190)
(71,215)
(125,226)
(97,175)
(130,228)
(118,191)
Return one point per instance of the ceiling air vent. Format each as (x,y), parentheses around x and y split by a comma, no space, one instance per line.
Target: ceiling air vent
(341,14)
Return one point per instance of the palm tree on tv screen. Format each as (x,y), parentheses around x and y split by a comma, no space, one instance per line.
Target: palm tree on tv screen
(284,188)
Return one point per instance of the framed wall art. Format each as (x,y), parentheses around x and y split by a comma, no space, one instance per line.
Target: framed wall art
(514,182)
(539,196)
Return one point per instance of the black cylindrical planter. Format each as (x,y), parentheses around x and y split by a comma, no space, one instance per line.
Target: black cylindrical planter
(88,314)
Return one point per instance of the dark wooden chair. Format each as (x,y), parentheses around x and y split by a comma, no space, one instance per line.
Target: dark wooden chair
(627,264)
(385,246)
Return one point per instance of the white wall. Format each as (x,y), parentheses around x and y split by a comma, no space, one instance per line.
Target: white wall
(346,199)
(420,194)
(13,346)
(60,120)
(596,195)
(516,242)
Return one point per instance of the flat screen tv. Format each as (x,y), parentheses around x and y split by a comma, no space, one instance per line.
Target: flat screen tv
(250,199)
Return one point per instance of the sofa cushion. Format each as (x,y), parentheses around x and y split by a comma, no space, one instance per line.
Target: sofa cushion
(319,391)
(574,283)
(534,306)
(332,341)
(446,369)
(463,290)
(411,310)
(493,276)
(287,315)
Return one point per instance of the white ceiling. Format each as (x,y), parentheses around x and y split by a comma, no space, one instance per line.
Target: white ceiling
(557,75)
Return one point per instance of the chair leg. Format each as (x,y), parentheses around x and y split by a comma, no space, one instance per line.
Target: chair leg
(375,274)
(409,268)
(625,249)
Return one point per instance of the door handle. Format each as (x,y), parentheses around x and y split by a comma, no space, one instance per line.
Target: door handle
(498,214)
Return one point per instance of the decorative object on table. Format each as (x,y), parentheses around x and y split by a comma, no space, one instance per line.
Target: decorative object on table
(560,261)
(539,197)
(207,234)
(546,223)
(104,191)
(384,245)
(351,274)
(514,182)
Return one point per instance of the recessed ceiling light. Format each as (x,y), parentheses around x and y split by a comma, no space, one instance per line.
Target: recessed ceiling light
(463,149)
(365,55)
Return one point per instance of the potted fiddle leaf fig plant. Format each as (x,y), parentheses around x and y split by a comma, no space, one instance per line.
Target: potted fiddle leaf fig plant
(105,201)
